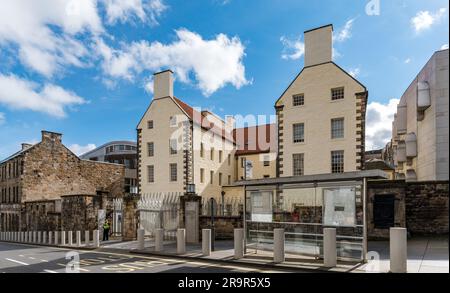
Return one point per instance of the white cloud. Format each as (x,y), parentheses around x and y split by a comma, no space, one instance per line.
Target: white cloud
(293,49)
(214,63)
(354,71)
(148,85)
(444,47)
(127,10)
(379,123)
(425,19)
(407,60)
(82,149)
(17,93)
(45,31)
(344,33)
(2,118)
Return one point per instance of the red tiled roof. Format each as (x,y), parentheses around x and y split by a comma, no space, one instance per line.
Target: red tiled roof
(256,139)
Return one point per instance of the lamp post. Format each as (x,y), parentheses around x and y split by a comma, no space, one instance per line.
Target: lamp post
(213,232)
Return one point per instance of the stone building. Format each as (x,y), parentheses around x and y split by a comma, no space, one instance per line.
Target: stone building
(420,131)
(321,115)
(35,181)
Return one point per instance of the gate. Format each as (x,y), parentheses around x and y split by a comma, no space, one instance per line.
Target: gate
(117,219)
(160,210)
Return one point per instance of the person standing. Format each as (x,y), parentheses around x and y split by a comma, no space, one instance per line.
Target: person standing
(106,228)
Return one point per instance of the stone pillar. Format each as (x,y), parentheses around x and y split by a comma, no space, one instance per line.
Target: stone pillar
(181,241)
(159,240)
(206,242)
(70,238)
(96,238)
(398,250)
(87,236)
(78,238)
(141,239)
(130,223)
(238,243)
(190,216)
(278,245)
(329,247)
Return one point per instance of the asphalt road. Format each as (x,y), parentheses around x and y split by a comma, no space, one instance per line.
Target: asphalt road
(24,258)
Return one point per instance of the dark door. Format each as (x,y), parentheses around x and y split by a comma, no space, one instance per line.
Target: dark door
(383,211)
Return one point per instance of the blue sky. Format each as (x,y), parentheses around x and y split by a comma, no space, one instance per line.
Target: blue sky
(84,67)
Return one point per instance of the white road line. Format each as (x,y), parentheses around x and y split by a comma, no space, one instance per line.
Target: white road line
(30,257)
(16,261)
(50,271)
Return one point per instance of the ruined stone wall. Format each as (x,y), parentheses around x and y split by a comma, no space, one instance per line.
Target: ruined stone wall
(80,212)
(427,207)
(42,216)
(51,170)
(224,226)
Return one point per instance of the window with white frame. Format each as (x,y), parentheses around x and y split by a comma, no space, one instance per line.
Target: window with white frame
(173,172)
(151,149)
(337,162)
(298,100)
(337,94)
(173,146)
(151,173)
(299,132)
(298,161)
(337,128)
(150,124)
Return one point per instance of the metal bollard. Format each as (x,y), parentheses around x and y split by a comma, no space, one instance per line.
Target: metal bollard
(181,241)
(278,245)
(329,247)
(141,239)
(78,238)
(159,240)
(238,243)
(70,238)
(206,242)
(87,237)
(398,243)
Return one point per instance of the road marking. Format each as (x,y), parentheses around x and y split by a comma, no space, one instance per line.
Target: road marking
(16,261)
(43,260)
(50,271)
(30,257)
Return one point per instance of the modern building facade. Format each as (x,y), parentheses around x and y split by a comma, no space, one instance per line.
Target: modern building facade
(321,115)
(420,130)
(118,152)
(41,175)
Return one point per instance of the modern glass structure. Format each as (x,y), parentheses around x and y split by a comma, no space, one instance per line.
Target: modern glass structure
(303,206)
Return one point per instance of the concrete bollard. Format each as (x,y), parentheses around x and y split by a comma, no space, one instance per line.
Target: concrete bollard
(96,238)
(159,240)
(238,243)
(206,242)
(398,252)
(63,238)
(34,237)
(181,241)
(278,245)
(70,238)
(44,237)
(55,238)
(78,238)
(50,238)
(87,237)
(25,237)
(141,239)
(329,247)
(39,237)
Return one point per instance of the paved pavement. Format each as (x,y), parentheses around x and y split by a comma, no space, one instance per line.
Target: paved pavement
(23,258)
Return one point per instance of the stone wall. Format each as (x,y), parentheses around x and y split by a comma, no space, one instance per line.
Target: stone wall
(224,226)
(421,207)
(42,216)
(80,212)
(427,207)
(130,221)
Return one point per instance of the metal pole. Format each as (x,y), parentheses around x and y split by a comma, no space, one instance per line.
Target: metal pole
(213,232)
(364,198)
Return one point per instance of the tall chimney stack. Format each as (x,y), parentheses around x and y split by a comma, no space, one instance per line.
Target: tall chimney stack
(319,45)
(163,84)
